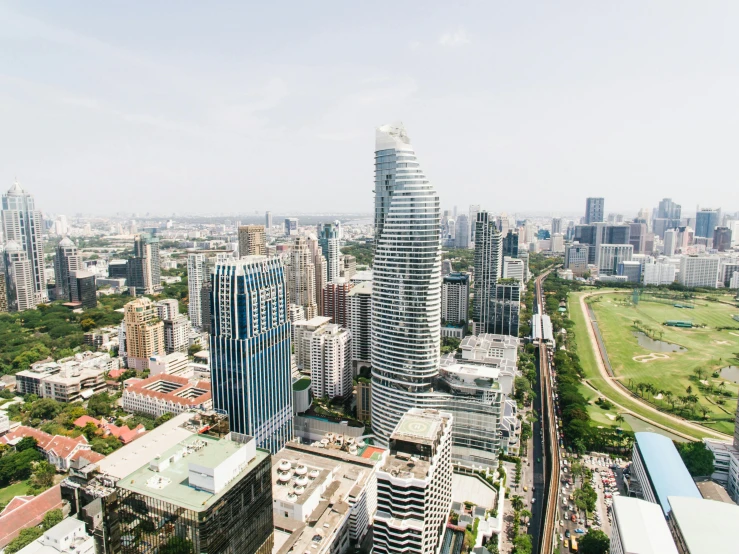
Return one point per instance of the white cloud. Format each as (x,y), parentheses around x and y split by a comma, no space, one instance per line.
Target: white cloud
(414,45)
(458,37)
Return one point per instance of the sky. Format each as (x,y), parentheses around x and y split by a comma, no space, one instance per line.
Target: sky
(241,107)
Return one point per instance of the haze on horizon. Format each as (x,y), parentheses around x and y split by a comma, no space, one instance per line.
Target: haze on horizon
(237,107)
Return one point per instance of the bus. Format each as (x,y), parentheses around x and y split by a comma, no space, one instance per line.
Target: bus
(573,544)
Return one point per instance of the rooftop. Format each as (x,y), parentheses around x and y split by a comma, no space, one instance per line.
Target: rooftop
(666,469)
(171,482)
(707,526)
(413,427)
(642,527)
(119,463)
(711,490)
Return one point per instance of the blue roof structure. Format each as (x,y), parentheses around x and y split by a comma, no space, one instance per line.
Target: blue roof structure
(667,472)
(462,278)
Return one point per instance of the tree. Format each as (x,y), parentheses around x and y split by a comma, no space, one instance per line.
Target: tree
(26,537)
(522,544)
(177,545)
(88,324)
(164,418)
(516,502)
(100,405)
(43,476)
(595,541)
(194,349)
(25,443)
(697,458)
(46,408)
(52,518)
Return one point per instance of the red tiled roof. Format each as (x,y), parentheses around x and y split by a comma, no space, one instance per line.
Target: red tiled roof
(115,373)
(63,446)
(141,388)
(31,514)
(43,439)
(85,419)
(89,455)
(17,502)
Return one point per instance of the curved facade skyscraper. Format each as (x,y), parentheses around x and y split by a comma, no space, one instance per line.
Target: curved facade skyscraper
(406,288)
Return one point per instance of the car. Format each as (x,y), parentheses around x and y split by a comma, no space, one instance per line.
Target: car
(580,531)
(538,460)
(525,489)
(566,543)
(567,533)
(533,500)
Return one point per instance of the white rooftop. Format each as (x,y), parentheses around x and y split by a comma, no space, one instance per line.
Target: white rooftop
(707,526)
(642,527)
(123,461)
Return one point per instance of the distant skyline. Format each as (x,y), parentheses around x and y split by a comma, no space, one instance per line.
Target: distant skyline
(236,107)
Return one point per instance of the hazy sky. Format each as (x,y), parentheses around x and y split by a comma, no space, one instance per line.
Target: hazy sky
(194,106)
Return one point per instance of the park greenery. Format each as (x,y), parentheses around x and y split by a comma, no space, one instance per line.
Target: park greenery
(364,252)
(677,370)
(462,258)
(51,330)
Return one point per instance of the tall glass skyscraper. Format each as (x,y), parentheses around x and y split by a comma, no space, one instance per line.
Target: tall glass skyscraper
(250,349)
(488,269)
(329,238)
(23,223)
(406,288)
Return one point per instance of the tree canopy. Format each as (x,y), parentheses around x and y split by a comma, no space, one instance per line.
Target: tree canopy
(697,458)
(595,541)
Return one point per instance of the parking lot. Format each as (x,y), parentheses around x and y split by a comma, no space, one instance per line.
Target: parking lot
(606,478)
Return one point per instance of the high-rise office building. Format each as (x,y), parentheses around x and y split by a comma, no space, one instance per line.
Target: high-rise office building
(360,322)
(301,277)
(143,270)
(670,243)
(19,283)
(706,220)
(82,288)
(556,225)
(576,258)
(505,308)
(462,232)
(291,226)
(320,271)
(250,349)
(722,239)
(510,244)
(594,210)
(638,237)
(667,209)
(414,485)
(406,287)
(196,275)
(329,240)
(348,266)
(699,271)
(336,301)
(455,298)
(66,260)
(268,222)
(23,224)
(144,333)
(3,295)
(611,255)
(251,241)
(488,269)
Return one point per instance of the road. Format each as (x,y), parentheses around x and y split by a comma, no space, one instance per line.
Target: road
(622,392)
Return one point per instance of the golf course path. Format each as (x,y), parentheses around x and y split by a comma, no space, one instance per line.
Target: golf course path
(621,392)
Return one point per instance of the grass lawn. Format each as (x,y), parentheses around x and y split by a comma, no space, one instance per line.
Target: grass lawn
(705,348)
(590,370)
(16,489)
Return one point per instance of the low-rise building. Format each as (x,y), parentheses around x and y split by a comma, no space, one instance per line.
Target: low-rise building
(486,348)
(161,394)
(176,363)
(324,497)
(27,511)
(123,433)
(60,451)
(68,379)
(68,536)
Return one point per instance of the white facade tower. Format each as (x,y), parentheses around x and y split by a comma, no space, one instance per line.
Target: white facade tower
(23,223)
(196,267)
(406,287)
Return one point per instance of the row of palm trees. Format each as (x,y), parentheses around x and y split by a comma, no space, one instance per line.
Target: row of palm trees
(687,401)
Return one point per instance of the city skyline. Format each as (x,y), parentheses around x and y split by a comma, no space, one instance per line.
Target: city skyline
(597,103)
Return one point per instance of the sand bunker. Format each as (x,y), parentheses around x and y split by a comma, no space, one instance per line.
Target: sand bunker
(644,358)
(611,417)
(723,342)
(735,334)
(658,397)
